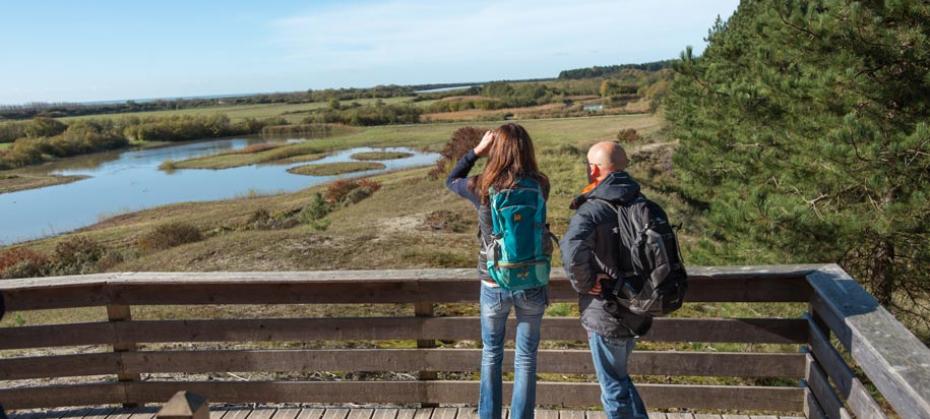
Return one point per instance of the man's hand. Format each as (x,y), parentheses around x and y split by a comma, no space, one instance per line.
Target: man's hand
(485,145)
(596,289)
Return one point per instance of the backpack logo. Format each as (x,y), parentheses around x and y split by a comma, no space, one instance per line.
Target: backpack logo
(519,252)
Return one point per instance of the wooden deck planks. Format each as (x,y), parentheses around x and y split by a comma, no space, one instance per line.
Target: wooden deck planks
(311,413)
(546,414)
(360,413)
(262,413)
(337,413)
(384,414)
(444,413)
(267,412)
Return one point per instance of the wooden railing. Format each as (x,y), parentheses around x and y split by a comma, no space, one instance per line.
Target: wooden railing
(894,361)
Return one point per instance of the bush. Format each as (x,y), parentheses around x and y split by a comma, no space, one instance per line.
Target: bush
(339,191)
(372,185)
(77,255)
(312,214)
(378,114)
(23,263)
(169,235)
(10,131)
(44,127)
(109,260)
(628,135)
(355,196)
(462,140)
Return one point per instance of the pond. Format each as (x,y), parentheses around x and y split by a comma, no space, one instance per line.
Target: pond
(125,181)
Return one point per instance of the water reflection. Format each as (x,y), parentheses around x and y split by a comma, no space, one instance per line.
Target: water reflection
(130,180)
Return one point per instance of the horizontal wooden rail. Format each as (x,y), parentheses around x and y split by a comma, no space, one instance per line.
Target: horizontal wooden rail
(764,284)
(548,394)
(709,364)
(752,330)
(421,288)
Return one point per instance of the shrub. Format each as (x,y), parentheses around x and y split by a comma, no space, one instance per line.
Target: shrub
(22,263)
(628,135)
(77,255)
(462,140)
(355,196)
(315,210)
(312,214)
(44,127)
(168,165)
(337,191)
(109,259)
(169,235)
(372,185)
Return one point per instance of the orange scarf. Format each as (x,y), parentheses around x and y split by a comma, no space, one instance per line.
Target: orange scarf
(590,187)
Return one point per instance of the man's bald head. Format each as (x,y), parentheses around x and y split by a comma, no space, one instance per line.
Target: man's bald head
(609,157)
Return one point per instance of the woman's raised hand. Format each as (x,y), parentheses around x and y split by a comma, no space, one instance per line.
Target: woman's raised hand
(485,145)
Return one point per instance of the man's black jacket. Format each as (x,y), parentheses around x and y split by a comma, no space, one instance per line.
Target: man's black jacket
(592,247)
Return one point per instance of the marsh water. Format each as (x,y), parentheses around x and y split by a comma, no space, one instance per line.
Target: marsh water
(119,182)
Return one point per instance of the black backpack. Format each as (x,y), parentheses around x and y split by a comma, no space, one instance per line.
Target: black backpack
(656,259)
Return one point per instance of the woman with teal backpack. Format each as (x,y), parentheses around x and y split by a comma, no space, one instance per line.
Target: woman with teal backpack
(514,261)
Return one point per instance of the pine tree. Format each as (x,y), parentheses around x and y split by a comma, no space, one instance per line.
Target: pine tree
(804,127)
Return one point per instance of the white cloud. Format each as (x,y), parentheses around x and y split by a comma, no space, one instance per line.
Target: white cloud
(401,32)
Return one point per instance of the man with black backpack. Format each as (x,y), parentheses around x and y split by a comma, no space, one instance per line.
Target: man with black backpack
(622,257)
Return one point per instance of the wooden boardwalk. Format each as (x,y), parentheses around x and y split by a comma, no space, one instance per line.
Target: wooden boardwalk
(270,412)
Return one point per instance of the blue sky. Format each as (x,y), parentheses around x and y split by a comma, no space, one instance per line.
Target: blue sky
(87,50)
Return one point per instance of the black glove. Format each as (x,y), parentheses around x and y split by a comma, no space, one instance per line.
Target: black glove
(580,199)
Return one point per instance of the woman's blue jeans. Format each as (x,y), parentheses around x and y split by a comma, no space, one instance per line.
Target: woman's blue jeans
(495,307)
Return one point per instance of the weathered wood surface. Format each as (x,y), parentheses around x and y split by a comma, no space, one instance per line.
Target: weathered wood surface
(828,400)
(896,362)
(747,284)
(851,390)
(388,392)
(736,364)
(309,412)
(118,314)
(64,395)
(752,330)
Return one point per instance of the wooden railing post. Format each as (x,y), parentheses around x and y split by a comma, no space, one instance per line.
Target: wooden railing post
(185,405)
(425,309)
(121,313)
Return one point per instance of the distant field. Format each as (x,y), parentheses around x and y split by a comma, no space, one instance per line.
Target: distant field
(5,145)
(292,112)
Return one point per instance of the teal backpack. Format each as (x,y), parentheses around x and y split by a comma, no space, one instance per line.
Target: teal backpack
(519,251)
